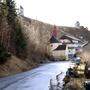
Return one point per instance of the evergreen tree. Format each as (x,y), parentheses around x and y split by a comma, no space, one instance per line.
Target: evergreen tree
(11,16)
(13,21)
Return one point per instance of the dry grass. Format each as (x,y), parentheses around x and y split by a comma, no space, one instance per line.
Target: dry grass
(75,84)
(15,65)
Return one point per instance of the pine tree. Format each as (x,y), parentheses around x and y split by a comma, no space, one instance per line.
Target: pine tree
(11,16)
(17,35)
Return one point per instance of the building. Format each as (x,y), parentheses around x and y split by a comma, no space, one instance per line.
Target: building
(65,47)
(69,39)
(54,43)
(60,52)
(73,45)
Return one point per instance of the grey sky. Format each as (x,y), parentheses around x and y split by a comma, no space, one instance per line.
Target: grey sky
(58,12)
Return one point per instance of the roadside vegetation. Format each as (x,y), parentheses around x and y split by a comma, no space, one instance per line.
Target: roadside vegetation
(9,14)
(4,55)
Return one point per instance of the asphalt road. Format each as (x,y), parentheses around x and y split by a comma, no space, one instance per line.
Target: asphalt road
(36,79)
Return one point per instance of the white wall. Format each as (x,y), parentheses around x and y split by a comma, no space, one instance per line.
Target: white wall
(58,53)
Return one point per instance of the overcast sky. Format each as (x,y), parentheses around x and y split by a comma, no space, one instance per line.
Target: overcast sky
(58,12)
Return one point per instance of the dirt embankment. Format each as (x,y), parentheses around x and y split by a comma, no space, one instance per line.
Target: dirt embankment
(15,65)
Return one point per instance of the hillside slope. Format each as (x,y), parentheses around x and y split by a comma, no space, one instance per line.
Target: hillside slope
(37,35)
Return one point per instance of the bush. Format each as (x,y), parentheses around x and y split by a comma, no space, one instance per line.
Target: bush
(3,55)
